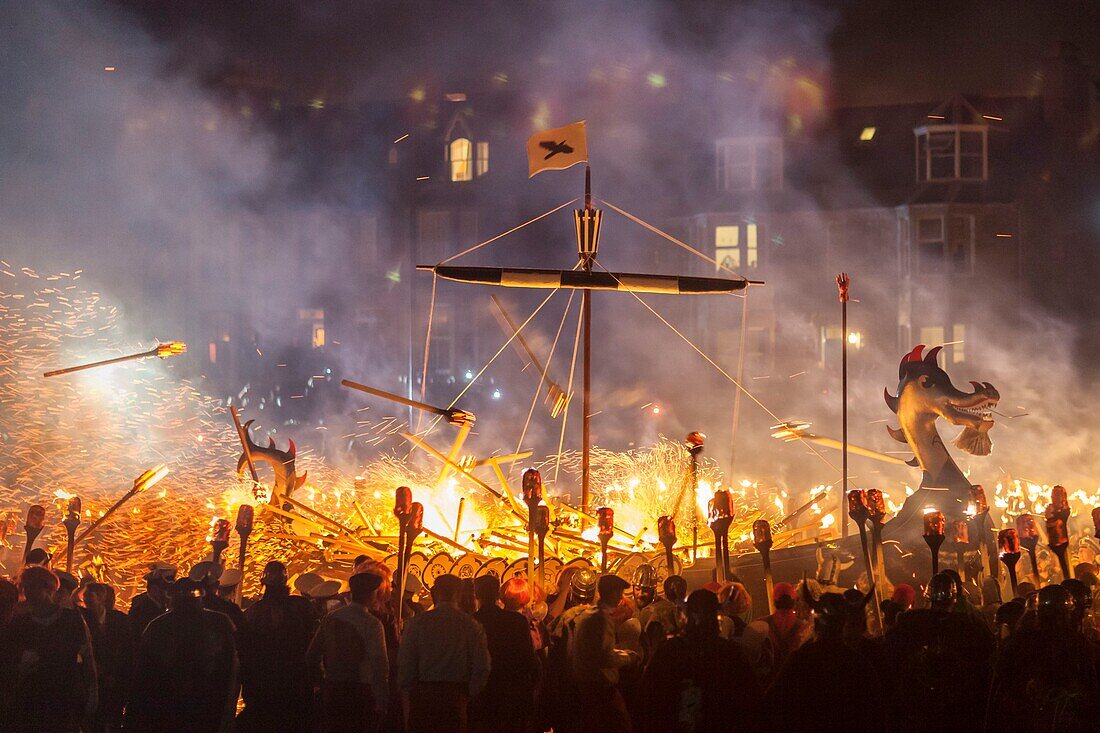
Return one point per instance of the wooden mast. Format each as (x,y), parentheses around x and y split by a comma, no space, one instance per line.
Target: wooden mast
(586,318)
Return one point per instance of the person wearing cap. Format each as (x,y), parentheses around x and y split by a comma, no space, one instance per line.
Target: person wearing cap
(113,645)
(595,661)
(350,649)
(47,659)
(506,703)
(699,681)
(275,682)
(228,583)
(186,673)
(769,640)
(443,662)
(207,574)
(154,601)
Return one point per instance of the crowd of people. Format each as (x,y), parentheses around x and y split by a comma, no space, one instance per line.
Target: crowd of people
(599,653)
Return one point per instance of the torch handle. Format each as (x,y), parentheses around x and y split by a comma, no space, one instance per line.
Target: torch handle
(603,555)
(769,582)
(1063,560)
(70,530)
(870,572)
(669,560)
(719,566)
(32,535)
(401,533)
(1034,565)
(218,548)
(104,362)
(106,515)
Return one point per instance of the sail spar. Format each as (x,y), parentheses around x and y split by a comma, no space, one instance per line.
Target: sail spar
(521,277)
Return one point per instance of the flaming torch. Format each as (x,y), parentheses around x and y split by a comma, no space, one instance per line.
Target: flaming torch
(1010,553)
(218,538)
(934,526)
(762,541)
(245,516)
(1027,530)
(142,483)
(984,534)
(695,441)
(71,521)
(36,519)
(720,517)
(542,526)
(161,351)
(876,512)
(532,497)
(414,525)
(402,503)
(666,532)
(1057,513)
(605,517)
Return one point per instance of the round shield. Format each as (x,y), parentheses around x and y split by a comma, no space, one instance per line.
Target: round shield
(465,566)
(660,564)
(496,566)
(417,562)
(518,569)
(390,561)
(440,564)
(624,567)
(551,568)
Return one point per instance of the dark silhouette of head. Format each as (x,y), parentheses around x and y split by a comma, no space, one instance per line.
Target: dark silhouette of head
(363,586)
(447,589)
(675,588)
(1009,614)
(1054,608)
(487,590)
(784,596)
(702,614)
(943,592)
(274,576)
(185,595)
(836,615)
(38,585)
(610,588)
(1082,599)
(9,597)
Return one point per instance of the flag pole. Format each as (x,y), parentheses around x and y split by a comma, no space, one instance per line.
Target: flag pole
(842,281)
(586,318)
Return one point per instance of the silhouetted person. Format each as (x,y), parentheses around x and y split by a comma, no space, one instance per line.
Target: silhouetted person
(769,640)
(507,702)
(938,661)
(443,662)
(275,682)
(207,574)
(595,662)
(154,601)
(699,682)
(350,646)
(186,674)
(48,661)
(1046,678)
(667,610)
(816,684)
(113,645)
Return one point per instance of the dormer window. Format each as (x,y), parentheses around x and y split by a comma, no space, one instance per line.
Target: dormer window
(465,159)
(749,164)
(952,152)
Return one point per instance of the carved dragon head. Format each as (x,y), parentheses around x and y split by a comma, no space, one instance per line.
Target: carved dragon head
(925,392)
(281,462)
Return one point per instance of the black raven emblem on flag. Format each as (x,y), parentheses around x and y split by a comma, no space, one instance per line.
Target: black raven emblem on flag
(555,148)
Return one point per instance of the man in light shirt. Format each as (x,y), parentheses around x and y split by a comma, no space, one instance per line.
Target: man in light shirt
(350,645)
(443,662)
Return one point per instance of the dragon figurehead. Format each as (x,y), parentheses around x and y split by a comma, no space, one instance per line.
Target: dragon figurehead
(281,462)
(925,393)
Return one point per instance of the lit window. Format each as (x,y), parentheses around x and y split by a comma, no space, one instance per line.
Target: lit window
(318,335)
(460,157)
(727,247)
(931,335)
(867,135)
(728,241)
(958,349)
(952,153)
(746,164)
(945,250)
(212,351)
(482,158)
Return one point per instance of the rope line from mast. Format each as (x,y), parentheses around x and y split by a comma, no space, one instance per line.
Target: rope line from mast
(427,350)
(722,371)
(568,390)
(514,229)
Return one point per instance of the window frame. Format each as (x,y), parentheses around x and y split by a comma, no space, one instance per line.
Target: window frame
(923,153)
(753,163)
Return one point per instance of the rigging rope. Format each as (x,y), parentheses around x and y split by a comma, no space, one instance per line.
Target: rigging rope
(721,371)
(671,238)
(545,370)
(514,229)
(568,391)
(427,350)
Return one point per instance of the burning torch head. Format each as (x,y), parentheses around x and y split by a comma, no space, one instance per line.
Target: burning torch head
(762,534)
(977,498)
(1059,503)
(720,507)
(36,517)
(857,505)
(532,486)
(73,508)
(402,499)
(219,531)
(695,441)
(245,516)
(1009,541)
(1026,527)
(962,532)
(934,524)
(666,530)
(605,517)
(876,505)
(416,518)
